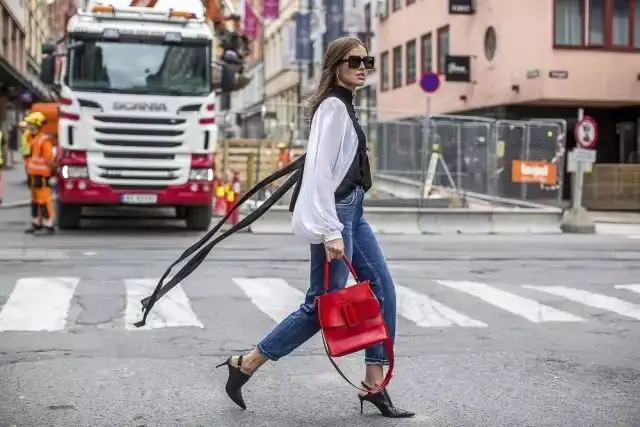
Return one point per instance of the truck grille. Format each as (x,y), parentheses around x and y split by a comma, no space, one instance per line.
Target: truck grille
(139,132)
(140,120)
(140,151)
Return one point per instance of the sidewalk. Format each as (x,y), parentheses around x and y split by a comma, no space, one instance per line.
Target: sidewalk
(615,217)
(16,193)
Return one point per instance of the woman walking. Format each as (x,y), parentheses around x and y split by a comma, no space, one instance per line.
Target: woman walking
(328,213)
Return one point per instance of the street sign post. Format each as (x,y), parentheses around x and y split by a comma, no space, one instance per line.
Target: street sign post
(586,132)
(579,161)
(429,83)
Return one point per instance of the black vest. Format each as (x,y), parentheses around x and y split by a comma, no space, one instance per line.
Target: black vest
(359,173)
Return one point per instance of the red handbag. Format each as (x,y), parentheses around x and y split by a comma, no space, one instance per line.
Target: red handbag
(351,320)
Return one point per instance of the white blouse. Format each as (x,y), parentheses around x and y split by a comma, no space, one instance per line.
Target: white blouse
(332,146)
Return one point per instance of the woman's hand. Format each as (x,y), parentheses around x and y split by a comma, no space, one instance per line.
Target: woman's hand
(334,249)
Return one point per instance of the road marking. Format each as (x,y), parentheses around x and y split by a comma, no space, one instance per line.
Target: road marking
(600,301)
(38,304)
(427,313)
(632,288)
(172,310)
(524,307)
(273,296)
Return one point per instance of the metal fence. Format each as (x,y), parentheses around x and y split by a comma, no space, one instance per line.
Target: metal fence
(478,158)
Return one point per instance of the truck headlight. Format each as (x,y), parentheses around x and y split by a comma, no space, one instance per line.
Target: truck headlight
(201,175)
(75,172)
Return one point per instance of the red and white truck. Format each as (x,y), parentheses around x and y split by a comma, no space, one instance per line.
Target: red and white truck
(136,110)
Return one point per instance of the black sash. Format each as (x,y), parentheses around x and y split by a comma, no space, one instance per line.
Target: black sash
(197,259)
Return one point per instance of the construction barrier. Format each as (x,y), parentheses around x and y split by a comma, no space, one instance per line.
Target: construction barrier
(412,221)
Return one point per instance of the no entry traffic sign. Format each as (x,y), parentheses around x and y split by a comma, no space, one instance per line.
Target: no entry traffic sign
(429,82)
(586,132)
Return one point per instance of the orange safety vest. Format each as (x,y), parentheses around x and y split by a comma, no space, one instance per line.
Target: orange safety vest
(37,165)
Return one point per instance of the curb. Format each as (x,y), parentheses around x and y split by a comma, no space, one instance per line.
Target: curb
(18,204)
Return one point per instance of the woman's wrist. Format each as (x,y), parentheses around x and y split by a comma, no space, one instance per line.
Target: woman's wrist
(334,235)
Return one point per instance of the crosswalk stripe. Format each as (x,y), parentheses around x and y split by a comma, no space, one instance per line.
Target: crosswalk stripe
(273,296)
(603,302)
(172,310)
(426,313)
(632,288)
(38,304)
(524,307)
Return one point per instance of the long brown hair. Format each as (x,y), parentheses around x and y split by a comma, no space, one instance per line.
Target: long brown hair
(332,57)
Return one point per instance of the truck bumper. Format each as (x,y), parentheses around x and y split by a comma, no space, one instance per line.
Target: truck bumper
(87,193)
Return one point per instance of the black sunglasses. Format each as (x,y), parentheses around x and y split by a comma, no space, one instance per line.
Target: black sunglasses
(354,61)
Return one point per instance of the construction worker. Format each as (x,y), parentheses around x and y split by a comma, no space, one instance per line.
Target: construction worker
(40,167)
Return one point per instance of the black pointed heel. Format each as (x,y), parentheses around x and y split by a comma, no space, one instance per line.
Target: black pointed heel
(236,380)
(382,401)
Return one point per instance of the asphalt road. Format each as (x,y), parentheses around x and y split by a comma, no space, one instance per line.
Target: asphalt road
(475,346)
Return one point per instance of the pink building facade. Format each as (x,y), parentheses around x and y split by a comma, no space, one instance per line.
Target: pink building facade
(516,59)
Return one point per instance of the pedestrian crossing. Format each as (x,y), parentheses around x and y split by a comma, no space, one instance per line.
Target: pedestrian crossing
(43,304)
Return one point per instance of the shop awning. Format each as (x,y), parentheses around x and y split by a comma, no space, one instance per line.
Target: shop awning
(9,76)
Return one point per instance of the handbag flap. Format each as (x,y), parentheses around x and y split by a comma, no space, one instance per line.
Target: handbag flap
(340,313)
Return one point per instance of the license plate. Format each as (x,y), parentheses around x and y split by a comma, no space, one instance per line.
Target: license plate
(139,199)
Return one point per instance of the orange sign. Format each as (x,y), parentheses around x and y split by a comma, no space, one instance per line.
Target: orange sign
(530,172)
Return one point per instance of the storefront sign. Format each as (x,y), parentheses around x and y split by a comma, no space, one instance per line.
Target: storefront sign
(457,68)
(462,7)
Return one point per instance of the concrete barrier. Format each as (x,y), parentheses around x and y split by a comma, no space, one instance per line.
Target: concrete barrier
(404,188)
(435,221)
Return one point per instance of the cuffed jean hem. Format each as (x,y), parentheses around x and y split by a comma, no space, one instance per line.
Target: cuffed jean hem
(266,353)
(372,361)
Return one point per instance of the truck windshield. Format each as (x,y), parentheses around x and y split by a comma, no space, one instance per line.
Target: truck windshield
(121,67)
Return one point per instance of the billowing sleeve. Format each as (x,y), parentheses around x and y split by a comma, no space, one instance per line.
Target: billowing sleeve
(317,219)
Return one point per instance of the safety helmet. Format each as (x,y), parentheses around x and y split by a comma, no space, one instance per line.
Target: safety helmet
(282,145)
(22,124)
(36,119)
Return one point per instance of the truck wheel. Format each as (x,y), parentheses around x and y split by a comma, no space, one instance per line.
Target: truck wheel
(68,216)
(199,217)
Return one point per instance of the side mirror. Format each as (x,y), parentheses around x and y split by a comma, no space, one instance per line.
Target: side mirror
(48,70)
(48,48)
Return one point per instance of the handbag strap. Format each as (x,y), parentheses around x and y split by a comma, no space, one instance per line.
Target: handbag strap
(327,265)
(388,346)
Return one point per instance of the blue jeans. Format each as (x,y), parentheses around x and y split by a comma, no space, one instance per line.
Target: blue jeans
(365,254)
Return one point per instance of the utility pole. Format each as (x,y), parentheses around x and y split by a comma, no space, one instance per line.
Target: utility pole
(263,98)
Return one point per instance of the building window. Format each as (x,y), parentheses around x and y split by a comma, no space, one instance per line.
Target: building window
(396,5)
(426,53)
(384,71)
(397,67)
(366,37)
(411,62)
(608,24)
(443,47)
